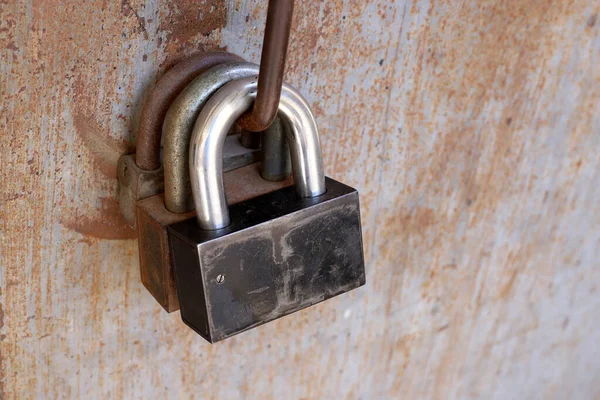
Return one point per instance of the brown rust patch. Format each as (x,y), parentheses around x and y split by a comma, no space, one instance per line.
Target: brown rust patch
(108,225)
(186,20)
(2,337)
(550,47)
(245,183)
(1,317)
(91,116)
(87,112)
(508,287)
(172,59)
(129,10)
(104,149)
(2,367)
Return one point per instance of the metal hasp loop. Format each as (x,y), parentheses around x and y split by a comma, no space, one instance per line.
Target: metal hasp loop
(272,66)
(160,96)
(206,147)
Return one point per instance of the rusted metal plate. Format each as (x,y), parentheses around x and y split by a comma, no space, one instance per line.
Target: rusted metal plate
(471,131)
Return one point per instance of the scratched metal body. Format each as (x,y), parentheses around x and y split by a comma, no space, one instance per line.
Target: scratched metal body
(280,254)
(470,129)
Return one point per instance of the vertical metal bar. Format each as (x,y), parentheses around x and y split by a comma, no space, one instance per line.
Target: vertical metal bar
(276,163)
(272,66)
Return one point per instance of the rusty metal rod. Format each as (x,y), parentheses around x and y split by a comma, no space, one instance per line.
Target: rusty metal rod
(272,66)
(160,97)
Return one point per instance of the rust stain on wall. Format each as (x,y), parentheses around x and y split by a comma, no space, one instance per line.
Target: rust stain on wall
(129,10)
(104,150)
(185,20)
(2,367)
(470,131)
(108,225)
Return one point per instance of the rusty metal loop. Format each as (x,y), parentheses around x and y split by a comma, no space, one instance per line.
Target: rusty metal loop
(272,66)
(160,97)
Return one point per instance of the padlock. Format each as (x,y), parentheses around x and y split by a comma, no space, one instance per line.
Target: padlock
(155,213)
(178,126)
(141,174)
(271,255)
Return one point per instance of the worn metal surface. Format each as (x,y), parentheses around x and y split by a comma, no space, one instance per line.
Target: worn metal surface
(160,97)
(281,254)
(206,147)
(250,139)
(144,176)
(237,156)
(470,129)
(153,219)
(156,269)
(276,162)
(178,126)
(179,122)
(272,66)
(136,184)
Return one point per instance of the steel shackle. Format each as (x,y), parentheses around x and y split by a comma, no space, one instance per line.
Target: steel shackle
(210,130)
(178,125)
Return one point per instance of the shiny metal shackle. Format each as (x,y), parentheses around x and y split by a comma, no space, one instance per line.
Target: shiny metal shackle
(210,130)
(178,125)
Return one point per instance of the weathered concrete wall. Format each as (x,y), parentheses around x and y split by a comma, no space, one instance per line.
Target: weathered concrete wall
(471,129)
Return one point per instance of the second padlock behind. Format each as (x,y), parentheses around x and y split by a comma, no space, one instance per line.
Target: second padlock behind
(156,213)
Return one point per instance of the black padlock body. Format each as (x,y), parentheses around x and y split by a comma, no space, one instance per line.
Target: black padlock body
(280,254)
